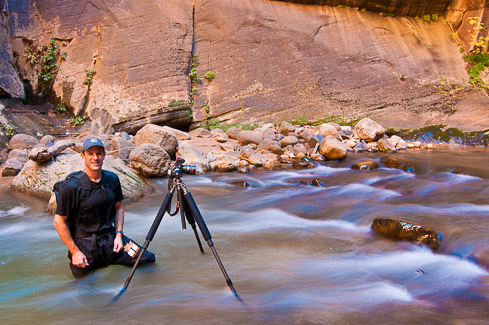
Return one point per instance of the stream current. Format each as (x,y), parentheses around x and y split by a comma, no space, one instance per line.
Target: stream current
(297,254)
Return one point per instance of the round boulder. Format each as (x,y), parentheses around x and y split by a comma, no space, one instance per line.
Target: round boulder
(332,148)
(23,141)
(157,135)
(150,160)
(368,130)
(246,137)
(326,129)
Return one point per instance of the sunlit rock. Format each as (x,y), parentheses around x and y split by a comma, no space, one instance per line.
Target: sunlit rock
(157,135)
(246,137)
(150,160)
(332,148)
(368,130)
(365,165)
(23,141)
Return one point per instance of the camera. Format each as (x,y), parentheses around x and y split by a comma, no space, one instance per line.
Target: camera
(179,168)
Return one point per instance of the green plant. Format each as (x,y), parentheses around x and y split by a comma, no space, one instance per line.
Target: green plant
(78,120)
(430,17)
(207,110)
(174,103)
(8,129)
(89,79)
(478,58)
(209,75)
(61,107)
(194,90)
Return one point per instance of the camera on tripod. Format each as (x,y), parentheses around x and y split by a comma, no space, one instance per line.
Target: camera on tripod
(179,168)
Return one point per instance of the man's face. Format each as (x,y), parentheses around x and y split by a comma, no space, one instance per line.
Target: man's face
(94,158)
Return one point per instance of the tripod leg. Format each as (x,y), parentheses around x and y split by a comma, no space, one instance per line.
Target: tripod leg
(189,200)
(191,221)
(149,237)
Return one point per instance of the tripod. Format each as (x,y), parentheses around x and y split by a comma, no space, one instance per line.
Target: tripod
(188,211)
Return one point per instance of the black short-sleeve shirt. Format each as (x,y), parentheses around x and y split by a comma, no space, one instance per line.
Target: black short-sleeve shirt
(97,211)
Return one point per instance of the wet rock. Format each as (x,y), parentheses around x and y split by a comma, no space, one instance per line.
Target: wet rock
(272,161)
(398,163)
(270,145)
(150,160)
(23,155)
(368,130)
(193,156)
(243,183)
(317,157)
(345,131)
(350,143)
(384,146)
(233,133)
(289,140)
(243,166)
(316,182)
(40,155)
(359,146)
(252,157)
(12,167)
(23,141)
(333,149)
(365,165)
(327,129)
(303,163)
(405,230)
(246,137)
(200,133)
(219,135)
(397,142)
(316,138)
(121,148)
(286,128)
(157,135)
(458,171)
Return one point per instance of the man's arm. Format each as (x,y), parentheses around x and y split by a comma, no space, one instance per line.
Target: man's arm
(61,224)
(119,226)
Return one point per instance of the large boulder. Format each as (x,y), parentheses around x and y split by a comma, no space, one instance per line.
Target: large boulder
(23,141)
(21,154)
(233,133)
(332,148)
(253,157)
(223,162)
(368,130)
(326,129)
(289,140)
(157,135)
(246,137)
(150,160)
(38,180)
(193,156)
(406,230)
(270,145)
(219,135)
(121,148)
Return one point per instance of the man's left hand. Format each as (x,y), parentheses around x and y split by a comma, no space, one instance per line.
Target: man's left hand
(118,243)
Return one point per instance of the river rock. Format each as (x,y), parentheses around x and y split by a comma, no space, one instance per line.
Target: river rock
(315,139)
(233,133)
(326,129)
(397,142)
(398,163)
(193,156)
(270,145)
(300,150)
(219,135)
(303,162)
(368,130)
(12,167)
(40,155)
(39,179)
(384,145)
(272,161)
(252,157)
(246,137)
(286,128)
(23,141)
(121,148)
(332,148)
(289,140)
(345,131)
(150,160)
(269,134)
(46,139)
(223,163)
(366,165)
(243,166)
(158,135)
(180,135)
(60,146)
(306,135)
(405,230)
(21,154)
(200,133)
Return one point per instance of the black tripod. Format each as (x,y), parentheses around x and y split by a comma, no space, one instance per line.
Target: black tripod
(189,211)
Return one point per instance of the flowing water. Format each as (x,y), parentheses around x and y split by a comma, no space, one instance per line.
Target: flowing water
(297,254)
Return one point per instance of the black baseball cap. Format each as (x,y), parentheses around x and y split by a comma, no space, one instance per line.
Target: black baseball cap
(91,142)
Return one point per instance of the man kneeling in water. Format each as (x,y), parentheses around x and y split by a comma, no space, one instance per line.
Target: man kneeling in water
(89,217)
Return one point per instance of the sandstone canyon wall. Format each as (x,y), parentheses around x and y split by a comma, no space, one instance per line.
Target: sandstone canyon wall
(272,60)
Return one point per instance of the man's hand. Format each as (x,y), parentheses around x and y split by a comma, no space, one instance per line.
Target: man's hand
(79,259)
(118,243)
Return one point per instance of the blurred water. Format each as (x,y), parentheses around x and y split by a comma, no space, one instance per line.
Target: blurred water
(297,254)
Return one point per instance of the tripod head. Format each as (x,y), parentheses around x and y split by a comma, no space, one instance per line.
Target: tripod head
(179,168)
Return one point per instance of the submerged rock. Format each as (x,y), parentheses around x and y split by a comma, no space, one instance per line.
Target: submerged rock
(365,165)
(404,230)
(398,163)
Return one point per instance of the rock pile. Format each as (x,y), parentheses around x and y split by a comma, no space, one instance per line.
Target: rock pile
(149,153)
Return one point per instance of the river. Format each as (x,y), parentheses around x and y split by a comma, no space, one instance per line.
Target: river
(297,254)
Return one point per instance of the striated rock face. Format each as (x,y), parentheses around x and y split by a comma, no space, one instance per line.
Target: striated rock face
(272,60)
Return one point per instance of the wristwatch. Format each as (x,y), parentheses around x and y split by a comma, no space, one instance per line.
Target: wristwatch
(119,232)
